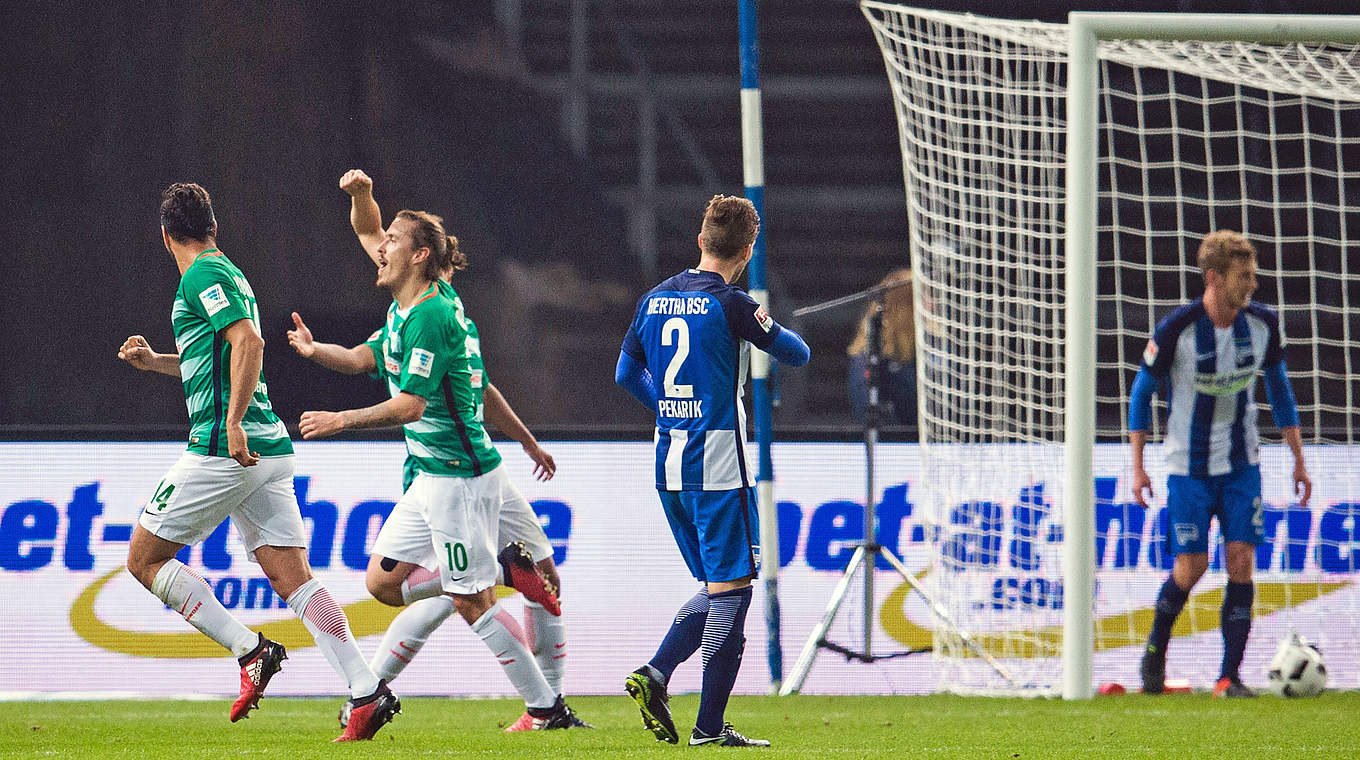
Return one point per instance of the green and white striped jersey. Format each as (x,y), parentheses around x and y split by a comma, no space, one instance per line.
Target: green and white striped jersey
(213,294)
(432,350)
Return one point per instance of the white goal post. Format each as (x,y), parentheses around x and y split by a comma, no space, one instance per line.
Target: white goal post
(1047,165)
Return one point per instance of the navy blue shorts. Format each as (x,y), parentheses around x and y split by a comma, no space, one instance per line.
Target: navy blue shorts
(1234,498)
(718,532)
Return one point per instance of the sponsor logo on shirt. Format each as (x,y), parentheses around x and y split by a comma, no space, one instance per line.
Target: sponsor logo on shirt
(391,365)
(421,362)
(1224,383)
(763,317)
(1150,352)
(476,378)
(214,299)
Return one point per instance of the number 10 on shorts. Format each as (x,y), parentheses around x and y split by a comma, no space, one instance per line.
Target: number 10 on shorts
(458,559)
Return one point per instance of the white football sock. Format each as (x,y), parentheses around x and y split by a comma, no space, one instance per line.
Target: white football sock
(407,634)
(547,639)
(328,625)
(420,584)
(505,639)
(187,593)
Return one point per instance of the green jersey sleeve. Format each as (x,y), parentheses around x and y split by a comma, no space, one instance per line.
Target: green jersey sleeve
(374,344)
(212,291)
(429,352)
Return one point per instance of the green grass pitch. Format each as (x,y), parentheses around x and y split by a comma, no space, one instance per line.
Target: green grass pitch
(1132,726)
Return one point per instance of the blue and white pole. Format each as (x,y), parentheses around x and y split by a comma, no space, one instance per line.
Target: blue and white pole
(753,174)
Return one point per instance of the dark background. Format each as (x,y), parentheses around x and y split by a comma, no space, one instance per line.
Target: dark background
(267,104)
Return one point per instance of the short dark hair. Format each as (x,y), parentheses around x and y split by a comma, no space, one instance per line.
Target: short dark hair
(186,212)
(730,224)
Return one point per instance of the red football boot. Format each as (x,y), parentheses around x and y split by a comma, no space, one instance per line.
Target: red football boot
(524,576)
(368,714)
(257,667)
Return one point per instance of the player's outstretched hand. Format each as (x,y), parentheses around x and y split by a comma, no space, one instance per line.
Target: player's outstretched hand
(300,338)
(356,182)
(544,466)
(320,424)
(238,447)
(137,352)
(1141,485)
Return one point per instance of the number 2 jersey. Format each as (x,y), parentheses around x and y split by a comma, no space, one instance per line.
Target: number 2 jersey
(692,333)
(212,295)
(432,350)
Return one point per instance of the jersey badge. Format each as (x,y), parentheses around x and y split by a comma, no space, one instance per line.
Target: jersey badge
(391,365)
(763,317)
(476,378)
(420,363)
(214,299)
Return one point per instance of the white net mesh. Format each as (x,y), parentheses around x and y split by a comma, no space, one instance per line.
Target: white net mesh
(1194,136)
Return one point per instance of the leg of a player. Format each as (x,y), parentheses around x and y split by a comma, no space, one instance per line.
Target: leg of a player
(723,643)
(151,560)
(547,633)
(289,574)
(502,634)
(1185,573)
(1235,617)
(407,634)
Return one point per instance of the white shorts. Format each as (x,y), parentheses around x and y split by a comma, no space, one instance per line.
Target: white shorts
(455,525)
(200,491)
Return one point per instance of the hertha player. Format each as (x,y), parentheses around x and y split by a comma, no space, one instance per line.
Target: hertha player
(1209,353)
(685,357)
(239,464)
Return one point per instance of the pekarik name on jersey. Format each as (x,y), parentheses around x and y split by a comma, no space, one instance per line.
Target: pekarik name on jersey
(690,408)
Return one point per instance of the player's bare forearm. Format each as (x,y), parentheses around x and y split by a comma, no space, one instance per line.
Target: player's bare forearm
(499,413)
(404,408)
(348,361)
(165,364)
(1293,437)
(1137,442)
(365,217)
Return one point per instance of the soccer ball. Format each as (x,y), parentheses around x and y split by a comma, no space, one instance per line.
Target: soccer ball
(1297,669)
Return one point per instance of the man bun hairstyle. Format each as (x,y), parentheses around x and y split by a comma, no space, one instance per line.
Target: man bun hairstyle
(1222,247)
(730,224)
(186,212)
(427,231)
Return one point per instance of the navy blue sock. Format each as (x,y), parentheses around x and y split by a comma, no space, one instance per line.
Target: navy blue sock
(724,641)
(1235,620)
(684,637)
(1170,601)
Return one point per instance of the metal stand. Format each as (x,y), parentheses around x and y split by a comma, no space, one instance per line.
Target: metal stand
(867,553)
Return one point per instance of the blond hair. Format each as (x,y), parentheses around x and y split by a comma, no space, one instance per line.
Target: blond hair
(898,336)
(1221,248)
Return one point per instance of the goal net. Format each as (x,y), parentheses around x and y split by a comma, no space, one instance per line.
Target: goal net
(1193,136)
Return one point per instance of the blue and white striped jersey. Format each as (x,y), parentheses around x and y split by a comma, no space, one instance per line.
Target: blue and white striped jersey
(692,333)
(1211,371)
